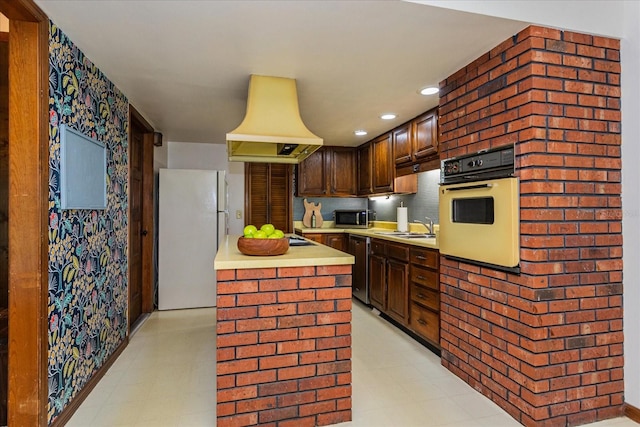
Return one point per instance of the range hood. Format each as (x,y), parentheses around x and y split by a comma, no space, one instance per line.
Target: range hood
(272,130)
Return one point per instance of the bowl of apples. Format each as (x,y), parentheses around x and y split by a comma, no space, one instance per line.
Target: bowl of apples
(263,241)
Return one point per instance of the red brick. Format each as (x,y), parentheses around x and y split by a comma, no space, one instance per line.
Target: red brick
(315,307)
(278,388)
(239,287)
(336,293)
(278,335)
(296,346)
(225,275)
(278,284)
(296,271)
(332,318)
(296,296)
(317,408)
(317,332)
(296,321)
(248,351)
(296,372)
(299,422)
(256,273)
(333,418)
(277,414)
(224,409)
(278,361)
(233,340)
(325,270)
(236,366)
(341,341)
(236,313)
(238,420)
(255,324)
(277,310)
(317,382)
(256,377)
(260,298)
(238,393)
(225,381)
(296,399)
(258,404)
(317,357)
(317,282)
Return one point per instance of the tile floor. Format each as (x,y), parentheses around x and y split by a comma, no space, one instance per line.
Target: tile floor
(166,377)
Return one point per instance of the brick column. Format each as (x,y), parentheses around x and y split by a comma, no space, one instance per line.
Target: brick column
(546,345)
(284,346)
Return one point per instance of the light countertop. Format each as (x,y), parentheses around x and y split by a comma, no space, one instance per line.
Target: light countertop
(230,258)
(379,226)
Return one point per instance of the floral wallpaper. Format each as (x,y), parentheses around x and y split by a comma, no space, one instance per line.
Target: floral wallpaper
(87,248)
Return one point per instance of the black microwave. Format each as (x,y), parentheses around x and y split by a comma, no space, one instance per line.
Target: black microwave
(353,218)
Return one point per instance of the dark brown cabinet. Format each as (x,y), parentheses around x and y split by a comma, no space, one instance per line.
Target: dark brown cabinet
(268,195)
(389,279)
(382,164)
(334,240)
(329,172)
(425,294)
(415,144)
(364,169)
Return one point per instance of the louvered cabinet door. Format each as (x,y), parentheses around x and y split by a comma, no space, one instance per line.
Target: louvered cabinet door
(268,197)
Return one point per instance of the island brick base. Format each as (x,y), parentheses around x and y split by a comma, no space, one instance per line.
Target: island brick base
(284,346)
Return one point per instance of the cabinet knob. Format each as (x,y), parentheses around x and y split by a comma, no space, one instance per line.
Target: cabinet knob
(422,322)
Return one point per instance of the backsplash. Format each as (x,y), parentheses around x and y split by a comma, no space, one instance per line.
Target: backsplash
(423,203)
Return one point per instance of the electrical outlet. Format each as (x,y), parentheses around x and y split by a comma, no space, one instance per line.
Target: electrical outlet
(238,214)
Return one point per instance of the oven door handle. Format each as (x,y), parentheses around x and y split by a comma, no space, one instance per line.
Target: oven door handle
(469,187)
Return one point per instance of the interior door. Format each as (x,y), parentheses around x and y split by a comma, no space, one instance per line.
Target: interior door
(136,232)
(140,217)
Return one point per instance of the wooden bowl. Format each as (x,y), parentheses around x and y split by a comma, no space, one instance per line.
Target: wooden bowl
(263,247)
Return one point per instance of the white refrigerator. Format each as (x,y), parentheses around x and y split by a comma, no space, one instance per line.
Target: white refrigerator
(192,220)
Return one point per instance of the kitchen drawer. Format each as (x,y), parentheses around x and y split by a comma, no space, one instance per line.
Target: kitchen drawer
(425,323)
(426,297)
(425,277)
(425,257)
(378,247)
(399,252)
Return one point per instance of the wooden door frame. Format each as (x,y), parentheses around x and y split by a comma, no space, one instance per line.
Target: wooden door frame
(28,211)
(147,207)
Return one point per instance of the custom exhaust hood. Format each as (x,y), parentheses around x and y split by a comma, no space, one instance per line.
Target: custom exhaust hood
(272,130)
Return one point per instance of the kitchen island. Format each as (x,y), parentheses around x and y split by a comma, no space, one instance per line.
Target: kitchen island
(283,336)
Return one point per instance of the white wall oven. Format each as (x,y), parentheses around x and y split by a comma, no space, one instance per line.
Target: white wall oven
(480,209)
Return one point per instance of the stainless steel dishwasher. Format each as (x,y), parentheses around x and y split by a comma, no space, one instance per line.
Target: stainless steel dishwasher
(359,248)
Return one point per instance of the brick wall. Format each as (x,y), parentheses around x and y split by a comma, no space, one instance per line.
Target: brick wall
(546,345)
(284,346)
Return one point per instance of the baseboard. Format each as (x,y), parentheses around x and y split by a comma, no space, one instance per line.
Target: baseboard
(632,412)
(73,406)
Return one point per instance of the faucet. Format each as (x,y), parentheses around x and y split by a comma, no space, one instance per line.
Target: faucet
(428,227)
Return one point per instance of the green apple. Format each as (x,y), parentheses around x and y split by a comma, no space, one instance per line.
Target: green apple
(268,228)
(278,234)
(250,230)
(273,236)
(260,235)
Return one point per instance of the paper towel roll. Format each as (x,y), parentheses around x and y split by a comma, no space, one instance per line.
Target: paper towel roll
(401,219)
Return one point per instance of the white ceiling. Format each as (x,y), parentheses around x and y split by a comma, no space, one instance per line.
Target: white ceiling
(185,65)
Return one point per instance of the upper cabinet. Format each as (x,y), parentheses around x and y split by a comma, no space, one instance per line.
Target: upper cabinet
(329,172)
(364,169)
(415,144)
(382,164)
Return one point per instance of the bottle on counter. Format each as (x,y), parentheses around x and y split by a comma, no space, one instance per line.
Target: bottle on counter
(313,220)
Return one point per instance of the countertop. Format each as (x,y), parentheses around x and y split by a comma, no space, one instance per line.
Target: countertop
(379,226)
(230,258)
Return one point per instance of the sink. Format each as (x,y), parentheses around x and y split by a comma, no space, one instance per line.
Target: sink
(406,234)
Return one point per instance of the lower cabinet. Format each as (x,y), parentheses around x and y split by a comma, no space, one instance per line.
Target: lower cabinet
(389,279)
(404,285)
(425,294)
(334,240)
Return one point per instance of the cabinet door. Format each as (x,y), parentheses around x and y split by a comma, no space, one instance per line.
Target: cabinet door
(268,195)
(280,202)
(377,281)
(398,290)
(312,175)
(342,161)
(402,144)
(364,169)
(316,237)
(425,138)
(382,164)
(336,241)
(358,248)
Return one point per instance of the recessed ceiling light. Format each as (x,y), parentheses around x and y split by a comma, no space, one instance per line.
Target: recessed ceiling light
(388,116)
(429,90)
(360,132)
